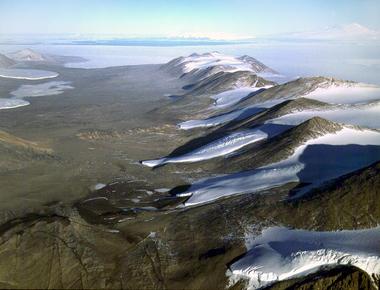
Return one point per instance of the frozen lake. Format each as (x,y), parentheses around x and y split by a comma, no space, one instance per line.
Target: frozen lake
(26,74)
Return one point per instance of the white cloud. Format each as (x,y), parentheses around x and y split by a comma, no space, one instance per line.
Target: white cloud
(352,31)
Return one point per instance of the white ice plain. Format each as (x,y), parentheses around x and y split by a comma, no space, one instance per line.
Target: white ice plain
(27,74)
(345,151)
(280,253)
(44,89)
(12,103)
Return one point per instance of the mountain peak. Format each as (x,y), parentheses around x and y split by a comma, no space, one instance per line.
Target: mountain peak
(28,54)
(319,126)
(196,64)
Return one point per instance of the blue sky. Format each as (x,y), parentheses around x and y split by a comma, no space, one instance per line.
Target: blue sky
(212,18)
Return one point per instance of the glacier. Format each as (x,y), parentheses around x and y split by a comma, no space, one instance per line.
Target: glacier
(280,253)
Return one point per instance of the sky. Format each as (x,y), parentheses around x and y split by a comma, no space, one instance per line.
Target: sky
(219,19)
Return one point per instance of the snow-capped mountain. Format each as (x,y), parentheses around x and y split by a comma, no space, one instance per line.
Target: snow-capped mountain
(206,64)
(352,31)
(28,55)
(334,93)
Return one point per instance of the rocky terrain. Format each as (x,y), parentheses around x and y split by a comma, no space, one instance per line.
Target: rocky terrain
(242,182)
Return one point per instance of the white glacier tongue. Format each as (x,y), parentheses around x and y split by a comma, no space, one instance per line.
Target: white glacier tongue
(232,97)
(219,147)
(344,151)
(280,254)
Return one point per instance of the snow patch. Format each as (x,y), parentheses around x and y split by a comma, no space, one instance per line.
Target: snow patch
(280,253)
(99,186)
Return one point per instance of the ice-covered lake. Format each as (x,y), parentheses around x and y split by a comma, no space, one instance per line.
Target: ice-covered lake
(26,74)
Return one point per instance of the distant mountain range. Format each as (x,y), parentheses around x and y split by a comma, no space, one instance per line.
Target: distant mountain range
(30,55)
(345,32)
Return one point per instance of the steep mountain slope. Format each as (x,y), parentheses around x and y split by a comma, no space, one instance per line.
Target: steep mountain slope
(323,89)
(282,145)
(223,81)
(195,246)
(5,61)
(252,122)
(292,156)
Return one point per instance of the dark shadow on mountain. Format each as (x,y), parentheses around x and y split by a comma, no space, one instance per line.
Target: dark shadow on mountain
(250,95)
(274,129)
(176,97)
(325,162)
(248,112)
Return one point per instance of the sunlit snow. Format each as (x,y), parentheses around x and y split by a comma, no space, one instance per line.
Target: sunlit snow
(360,115)
(206,60)
(350,94)
(214,149)
(280,254)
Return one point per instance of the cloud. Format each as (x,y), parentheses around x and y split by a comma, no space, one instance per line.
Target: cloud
(352,31)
